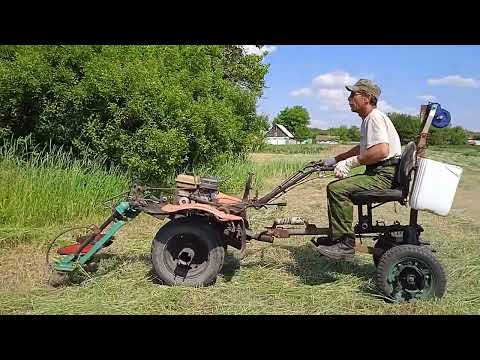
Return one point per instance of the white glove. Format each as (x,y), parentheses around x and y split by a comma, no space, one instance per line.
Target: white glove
(343,167)
(329,162)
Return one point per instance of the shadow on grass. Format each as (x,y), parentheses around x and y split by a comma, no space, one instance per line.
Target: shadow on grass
(309,266)
(104,263)
(231,265)
(108,262)
(315,269)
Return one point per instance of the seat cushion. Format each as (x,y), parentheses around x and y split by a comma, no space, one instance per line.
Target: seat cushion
(376,196)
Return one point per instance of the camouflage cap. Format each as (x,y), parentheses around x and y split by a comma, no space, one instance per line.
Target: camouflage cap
(367,86)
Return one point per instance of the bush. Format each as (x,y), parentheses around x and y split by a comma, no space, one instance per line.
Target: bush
(153,109)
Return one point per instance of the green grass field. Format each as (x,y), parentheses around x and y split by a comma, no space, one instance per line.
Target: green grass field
(287,277)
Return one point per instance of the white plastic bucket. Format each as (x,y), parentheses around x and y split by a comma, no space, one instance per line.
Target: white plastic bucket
(435,186)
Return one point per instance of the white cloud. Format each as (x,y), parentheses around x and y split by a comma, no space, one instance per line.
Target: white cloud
(320,124)
(329,88)
(270,49)
(427,97)
(454,80)
(254,50)
(301,92)
(333,99)
(334,79)
(385,107)
(412,111)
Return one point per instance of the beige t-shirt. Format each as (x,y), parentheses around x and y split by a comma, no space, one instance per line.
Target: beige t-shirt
(377,128)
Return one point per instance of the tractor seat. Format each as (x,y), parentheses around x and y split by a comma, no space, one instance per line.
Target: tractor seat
(376,196)
(401,182)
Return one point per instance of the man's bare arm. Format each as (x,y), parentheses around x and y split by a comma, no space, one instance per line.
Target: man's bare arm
(352,152)
(374,154)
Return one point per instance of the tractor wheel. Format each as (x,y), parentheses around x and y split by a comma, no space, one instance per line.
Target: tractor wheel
(380,246)
(188,251)
(410,272)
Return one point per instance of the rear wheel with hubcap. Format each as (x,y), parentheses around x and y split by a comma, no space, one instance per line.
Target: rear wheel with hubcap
(409,272)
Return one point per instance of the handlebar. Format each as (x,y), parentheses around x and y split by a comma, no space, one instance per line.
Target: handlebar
(296,178)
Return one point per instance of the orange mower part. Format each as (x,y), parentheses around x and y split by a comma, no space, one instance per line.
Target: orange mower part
(72,249)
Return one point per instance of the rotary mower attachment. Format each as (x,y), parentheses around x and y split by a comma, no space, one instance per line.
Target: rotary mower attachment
(82,252)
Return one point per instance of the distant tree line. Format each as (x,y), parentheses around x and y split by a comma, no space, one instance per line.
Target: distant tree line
(407,127)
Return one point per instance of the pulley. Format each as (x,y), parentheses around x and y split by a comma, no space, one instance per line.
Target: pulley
(442,117)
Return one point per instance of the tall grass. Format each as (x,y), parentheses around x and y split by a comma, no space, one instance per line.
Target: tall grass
(233,173)
(46,187)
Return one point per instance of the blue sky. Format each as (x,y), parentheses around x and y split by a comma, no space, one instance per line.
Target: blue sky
(314,76)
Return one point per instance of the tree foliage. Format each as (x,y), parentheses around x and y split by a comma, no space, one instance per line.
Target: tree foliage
(448,136)
(296,119)
(346,134)
(408,128)
(154,109)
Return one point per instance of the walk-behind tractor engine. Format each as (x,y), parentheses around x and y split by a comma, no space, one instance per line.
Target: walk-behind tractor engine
(190,248)
(194,188)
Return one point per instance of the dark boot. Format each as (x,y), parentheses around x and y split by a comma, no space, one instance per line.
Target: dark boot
(322,240)
(342,250)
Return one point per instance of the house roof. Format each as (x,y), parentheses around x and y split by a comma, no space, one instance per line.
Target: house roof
(285,131)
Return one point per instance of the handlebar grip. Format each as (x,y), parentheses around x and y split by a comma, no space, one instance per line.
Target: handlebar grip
(324,168)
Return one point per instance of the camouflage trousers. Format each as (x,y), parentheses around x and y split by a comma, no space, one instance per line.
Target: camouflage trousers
(340,207)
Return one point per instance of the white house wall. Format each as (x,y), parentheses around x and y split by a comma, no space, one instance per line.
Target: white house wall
(278,140)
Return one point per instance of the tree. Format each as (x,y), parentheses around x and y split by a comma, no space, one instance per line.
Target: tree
(342,132)
(407,126)
(447,136)
(153,109)
(296,120)
(354,133)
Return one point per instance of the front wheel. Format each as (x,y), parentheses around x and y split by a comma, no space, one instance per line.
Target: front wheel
(410,272)
(188,251)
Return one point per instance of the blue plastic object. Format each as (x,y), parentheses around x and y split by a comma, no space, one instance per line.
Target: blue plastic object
(442,117)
